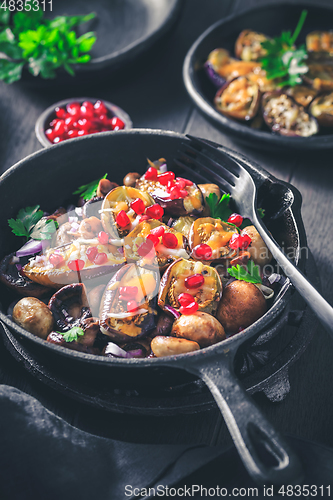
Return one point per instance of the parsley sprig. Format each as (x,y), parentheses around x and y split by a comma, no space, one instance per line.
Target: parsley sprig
(88,191)
(29,223)
(251,275)
(283,61)
(73,334)
(43,45)
(219,209)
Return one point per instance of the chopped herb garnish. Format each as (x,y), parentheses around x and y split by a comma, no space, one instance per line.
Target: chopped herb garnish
(219,209)
(29,223)
(88,191)
(283,61)
(251,275)
(73,334)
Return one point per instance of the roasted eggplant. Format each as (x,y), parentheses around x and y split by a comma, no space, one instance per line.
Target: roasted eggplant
(302,94)
(175,281)
(320,42)
(214,233)
(70,307)
(77,261)
(118,218)
(322,109)
(285,117)
(248,45)
(183,224)
(238,99)
(177,196)
(128,308)
(320,76)
(216,60)
(153,242)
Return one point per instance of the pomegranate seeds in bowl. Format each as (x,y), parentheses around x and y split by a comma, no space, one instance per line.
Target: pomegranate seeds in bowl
(76,117)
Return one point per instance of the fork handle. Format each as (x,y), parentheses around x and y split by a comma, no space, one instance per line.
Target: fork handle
(312,297)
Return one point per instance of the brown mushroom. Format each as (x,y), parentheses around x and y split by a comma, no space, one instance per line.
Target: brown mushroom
(169,346)
(33,315)
(131,178)
(258,251)
(241,305)
(199,327)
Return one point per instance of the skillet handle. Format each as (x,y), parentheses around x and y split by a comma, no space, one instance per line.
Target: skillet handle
(265,454)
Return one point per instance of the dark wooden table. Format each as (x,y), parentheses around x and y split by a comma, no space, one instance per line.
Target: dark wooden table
(152,92)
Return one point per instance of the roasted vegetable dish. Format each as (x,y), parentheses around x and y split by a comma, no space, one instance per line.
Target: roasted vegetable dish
(273,85)
(156,267)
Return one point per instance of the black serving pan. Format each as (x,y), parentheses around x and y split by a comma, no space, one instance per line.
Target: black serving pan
(270,19)
(49,178)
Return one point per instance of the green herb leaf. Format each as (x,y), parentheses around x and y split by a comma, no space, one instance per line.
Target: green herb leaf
(4,16)
(282,60)
(44,229)
(251,275)
(10,71)
(261,212)
(88,191)
(73,334)
(27,218)
(219,209)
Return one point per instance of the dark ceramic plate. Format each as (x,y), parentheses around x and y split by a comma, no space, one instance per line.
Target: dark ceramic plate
(270,19)
(124,28)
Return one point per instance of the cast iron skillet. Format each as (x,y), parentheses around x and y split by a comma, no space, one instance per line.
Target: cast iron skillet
(269,19)
(49,178)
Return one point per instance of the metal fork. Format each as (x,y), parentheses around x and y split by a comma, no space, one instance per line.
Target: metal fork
(236,180)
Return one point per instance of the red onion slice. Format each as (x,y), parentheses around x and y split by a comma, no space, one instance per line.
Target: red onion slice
(115,350)
(30,248)
(172,310)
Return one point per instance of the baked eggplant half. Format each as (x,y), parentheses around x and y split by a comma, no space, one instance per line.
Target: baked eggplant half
(320,42)
(121,210)
(214,233)
(77,261)
(238,99)
(194,278)
(320,76)
(153,242)
(248,45)
(176,195)
(216,60)
(284,116)
(128,308)
(322,109)
(302,94)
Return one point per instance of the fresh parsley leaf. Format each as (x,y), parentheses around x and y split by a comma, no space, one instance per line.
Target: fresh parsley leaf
(282,61)
(88,191)
(251,275)
(4,16)
(18,227)
(73,334)
(44,229)
(28,20)
(27,219)
(10,71)
(219,209)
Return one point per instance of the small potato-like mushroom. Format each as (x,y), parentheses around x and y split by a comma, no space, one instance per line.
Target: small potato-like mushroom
(241,305)
(199,327)
(259,252)
(131,178)
(104,187)
(33,315)
(169,346)
(206,190)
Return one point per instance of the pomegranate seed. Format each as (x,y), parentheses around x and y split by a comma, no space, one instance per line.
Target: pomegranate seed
(60,112)
(100,108)
(56,259)
(88,105)
(138,206)
(151,174)
(100,259)
(166,177)
(87,110)
(235,219)
(155,211)
(203,251)
(122,219)
(170,185)
(56,140)
(76,265)
(117,123)
(181,184)
(49,134)
(187,181)
(91,253)
(183,193)
(60,128)
(82,132)
(129,292)
(194,281)
(84,124)
(53,122)
(70,121)
(73,109)
(145,248)
(170,240)
(157,231)
(132,305)
(189,309)
(174,193)
(155,239)
(143,218)
(104,120)
(103,238)
(72,133)
(185,299)
(239,241)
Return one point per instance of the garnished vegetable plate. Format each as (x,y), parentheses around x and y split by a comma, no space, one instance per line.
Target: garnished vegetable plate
(265,76)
